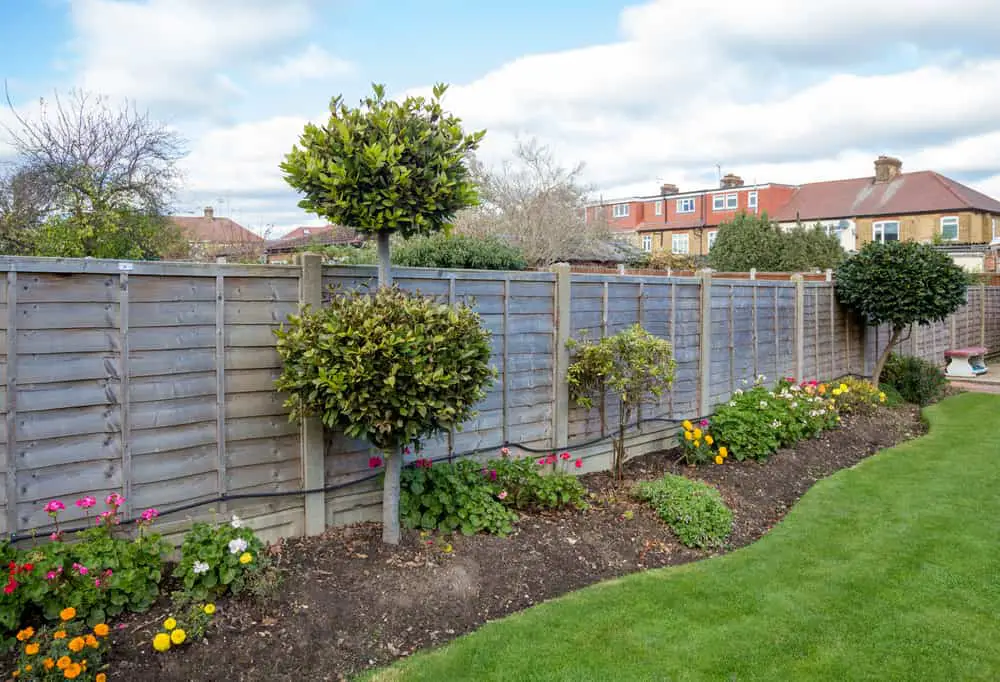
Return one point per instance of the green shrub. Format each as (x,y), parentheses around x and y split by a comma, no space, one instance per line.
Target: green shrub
(892,396)
(693,510)
(216,559)
(538,484)
(458,252)
(916,380)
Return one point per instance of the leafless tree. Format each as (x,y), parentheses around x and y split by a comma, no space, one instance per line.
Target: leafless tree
(96,156)
(535,203)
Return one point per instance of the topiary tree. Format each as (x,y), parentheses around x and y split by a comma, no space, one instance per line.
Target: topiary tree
(391,368)
(633,364)
(747,241)
(385,167)
(900,284)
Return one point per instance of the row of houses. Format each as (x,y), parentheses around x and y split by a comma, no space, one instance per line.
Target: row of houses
(890,205)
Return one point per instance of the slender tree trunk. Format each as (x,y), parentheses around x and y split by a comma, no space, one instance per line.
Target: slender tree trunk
(619,445)
(390,498)
(880,364)
(384,260)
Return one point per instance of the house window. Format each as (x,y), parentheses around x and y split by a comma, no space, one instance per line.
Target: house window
(886,231)
(752,200)
(647,242)
(620,211)
(719,202)
(685,205)
(658,208)
(711,238)
(949,228)
(732,201)
(725,202)
(679,243)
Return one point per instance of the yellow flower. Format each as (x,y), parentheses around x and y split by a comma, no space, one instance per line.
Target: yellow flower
(73,671)
(76,644)
(31,649)
(843,388)
(210,609)
(697,434)
(49,664)
(709,439)
(63,662)
(246,558)
(836,391)
(687,435)
(101,630)
(169,624)
(178,636)
(68,613)
(27,668)
(25,634)
(697,443)
(16,674)
(687,425)
(161,642)
(822,389)
(101,677)
(59,634)
(718,459)
(91,641)
(723,452)
(881,397)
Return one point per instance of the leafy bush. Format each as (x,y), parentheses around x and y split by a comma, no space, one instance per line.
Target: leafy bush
(916,380)
(633,364)
(698,445)
(219,559)
(458,251)
(471,497)
(693,510)
(751,241)
(69,650)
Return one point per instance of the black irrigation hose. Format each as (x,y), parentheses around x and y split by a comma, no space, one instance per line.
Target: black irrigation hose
(18,537)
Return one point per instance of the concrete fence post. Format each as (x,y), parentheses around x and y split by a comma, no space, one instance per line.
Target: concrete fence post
(705,345)
(560,408)
(800,326)
(311,430)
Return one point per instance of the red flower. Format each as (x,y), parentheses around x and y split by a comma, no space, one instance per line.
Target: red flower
(374,462)
(11,586)
(28,567)
(579,463)
(542,462)
(565,455)
(551,459)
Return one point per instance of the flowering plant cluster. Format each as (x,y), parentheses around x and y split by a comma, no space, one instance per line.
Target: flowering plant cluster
(857,396)
(698,445)
(219,558)
(471,497)
(189,627)
(102,574)
(69,650)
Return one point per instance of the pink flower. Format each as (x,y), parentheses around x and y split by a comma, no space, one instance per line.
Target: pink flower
(121,626)
(703,423)
(107,573)
(579,463)
(149,514)
(86,502)
(56,537)
(114,500)
(542,462)
(81,569)
(505,452)
(51,575)
(564,455)
(108,516)
(54,507)
(374,462)
(97,582)
(406,450)
(502,495)
(790,380)
(551,459)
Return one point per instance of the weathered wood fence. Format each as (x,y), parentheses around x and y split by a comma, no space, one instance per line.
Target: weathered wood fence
(155,380)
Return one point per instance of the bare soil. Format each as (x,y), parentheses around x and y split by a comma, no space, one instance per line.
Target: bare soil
(348,603)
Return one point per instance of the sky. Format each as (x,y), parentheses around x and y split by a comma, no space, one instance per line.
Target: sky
(641,93)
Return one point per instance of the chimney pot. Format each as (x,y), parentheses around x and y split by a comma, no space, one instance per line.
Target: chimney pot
(209,212)
(668,189)
(887,168)
(730,180)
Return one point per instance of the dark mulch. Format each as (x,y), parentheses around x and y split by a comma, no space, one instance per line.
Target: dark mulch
(349,603)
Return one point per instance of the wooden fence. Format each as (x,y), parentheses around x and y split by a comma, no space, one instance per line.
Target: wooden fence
(155,380)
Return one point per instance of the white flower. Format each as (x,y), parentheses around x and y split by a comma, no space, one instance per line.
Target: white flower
(763,403)
(794,405)
(732,403)
(237,546)
(775,424)
(738,391)
(796,387)
(199,567)
(236,522)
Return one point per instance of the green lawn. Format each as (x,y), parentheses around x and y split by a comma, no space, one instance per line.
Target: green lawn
(888,571)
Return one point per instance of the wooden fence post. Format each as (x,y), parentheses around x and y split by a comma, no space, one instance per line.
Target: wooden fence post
(560,408)
(311,430)
(800,325)
(705,345)
(982,313)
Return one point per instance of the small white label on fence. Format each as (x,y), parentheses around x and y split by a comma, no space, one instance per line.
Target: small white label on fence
(126,267)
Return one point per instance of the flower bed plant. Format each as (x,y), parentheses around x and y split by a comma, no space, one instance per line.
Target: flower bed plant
(219,558)
(693,510)
(69,650)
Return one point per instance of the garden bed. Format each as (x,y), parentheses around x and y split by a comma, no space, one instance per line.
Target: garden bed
(349,603)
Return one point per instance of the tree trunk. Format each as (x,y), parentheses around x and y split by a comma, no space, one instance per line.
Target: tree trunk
(384,260)
(880,364)
(619,444)
(390,498)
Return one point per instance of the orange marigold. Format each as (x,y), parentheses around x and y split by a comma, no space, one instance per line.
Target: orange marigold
(101,630)
(73,671)
(91,641)
(101,677)
(68,613)
(25,634)
(31,649)
(59,634)
(63,662)
(76,644)
(49,664)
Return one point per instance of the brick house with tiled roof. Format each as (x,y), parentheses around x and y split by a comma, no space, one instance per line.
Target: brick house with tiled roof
(210,237)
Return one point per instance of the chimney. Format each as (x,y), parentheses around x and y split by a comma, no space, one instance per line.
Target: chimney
(887,168)
(668,189)
(729,181)
(209,212)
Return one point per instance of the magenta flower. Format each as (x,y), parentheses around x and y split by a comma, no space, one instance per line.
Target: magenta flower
(565,455)
(81,569)
(114,500)
(56,537)
(374,462)
(541,462)
(579,463)
(97,582)
(86,502)
(149,514)
(51,575)
(54,507)
(502,495)
(704,423)
(551,459)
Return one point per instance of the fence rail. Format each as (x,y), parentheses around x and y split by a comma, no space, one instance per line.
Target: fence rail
(156,380)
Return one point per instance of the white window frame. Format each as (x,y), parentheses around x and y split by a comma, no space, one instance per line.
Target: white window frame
(878,230)
(685,205)
(620,211)
(718,202)
(647,242)
(725,201)
(732,201)
(679,243)
(658,207)
(752,199)
(712,235)
(950,220)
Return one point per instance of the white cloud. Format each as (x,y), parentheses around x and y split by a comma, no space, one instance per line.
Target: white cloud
(314,63)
